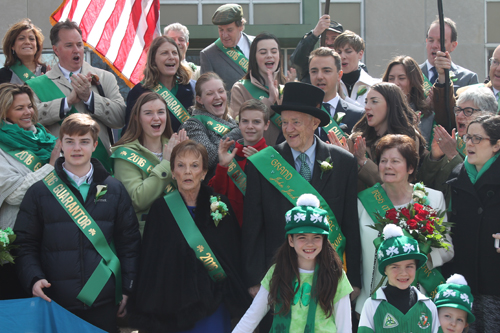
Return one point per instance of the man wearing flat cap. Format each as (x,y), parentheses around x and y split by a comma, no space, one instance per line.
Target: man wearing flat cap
(228,55)
(277,176)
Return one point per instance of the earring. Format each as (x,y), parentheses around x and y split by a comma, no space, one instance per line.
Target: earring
(13,52)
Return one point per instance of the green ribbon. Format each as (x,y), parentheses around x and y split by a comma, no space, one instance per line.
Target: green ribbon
(110,264)
(176,108)
(461,148)
(237,175)
(47,91)
(139,161)
(233,54)
(26,157)
(332,125)
(22,71)
(427,86)
(193,236)
(291,184)
(375,200)
(282,323)
(213,125)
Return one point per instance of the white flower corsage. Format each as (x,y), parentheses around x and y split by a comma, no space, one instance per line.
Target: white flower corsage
(101,191)
(361,91)
(419,194)
(218,208)
(325,166)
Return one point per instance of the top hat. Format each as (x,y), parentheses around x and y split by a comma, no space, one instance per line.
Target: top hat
(305,98)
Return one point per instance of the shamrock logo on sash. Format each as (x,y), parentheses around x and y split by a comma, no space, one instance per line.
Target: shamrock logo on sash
(303,294)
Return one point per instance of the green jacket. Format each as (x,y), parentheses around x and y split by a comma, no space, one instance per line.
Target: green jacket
(143,188)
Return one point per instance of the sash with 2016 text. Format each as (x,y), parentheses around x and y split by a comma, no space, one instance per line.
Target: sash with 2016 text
(233,54)
(291,185)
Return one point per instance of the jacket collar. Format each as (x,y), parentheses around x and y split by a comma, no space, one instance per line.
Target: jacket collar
(99,176)
(380,295)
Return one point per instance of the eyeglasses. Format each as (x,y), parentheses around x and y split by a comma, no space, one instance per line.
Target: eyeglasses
(467,111)
(494,62)
(474,138)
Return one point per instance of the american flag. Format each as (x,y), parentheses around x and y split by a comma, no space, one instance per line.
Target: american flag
(119,31)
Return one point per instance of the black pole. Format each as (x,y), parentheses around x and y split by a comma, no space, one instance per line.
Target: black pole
(446,71)
(323,34)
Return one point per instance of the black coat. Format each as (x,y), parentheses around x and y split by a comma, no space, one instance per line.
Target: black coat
(476,214)
(263,230)
(53,247)
(174,290)
(185,95)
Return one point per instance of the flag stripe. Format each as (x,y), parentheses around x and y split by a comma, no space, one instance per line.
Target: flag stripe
(72,9)
(129,38)
(90,16)
(120,31)
(101,23)
(107,34)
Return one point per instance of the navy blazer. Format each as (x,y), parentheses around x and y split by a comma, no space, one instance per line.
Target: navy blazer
(463,76)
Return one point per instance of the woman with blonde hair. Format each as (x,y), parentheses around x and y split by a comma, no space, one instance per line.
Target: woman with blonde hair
(167,74)
(27,154)
(22,47)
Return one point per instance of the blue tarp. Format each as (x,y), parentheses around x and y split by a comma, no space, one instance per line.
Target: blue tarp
(34,315)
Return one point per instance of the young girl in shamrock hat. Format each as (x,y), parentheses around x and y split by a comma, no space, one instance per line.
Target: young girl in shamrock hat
(454,302)
(399,307)
(306,287)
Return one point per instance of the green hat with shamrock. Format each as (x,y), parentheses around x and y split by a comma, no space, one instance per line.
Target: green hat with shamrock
(397,247)
(455,293)
(307,217)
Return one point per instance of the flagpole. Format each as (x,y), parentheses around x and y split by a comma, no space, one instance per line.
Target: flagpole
(327,11)
(446,71)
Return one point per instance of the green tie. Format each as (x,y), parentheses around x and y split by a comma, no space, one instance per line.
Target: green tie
(237,48)
(304,168)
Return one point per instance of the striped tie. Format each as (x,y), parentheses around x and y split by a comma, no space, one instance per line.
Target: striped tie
(304,168)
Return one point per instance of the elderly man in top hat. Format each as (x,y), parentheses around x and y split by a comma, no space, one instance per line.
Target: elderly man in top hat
(228,55)
(278,175)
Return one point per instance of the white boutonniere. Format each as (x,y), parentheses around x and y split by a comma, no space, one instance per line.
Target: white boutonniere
(453,78)
(325,166)
(101,191)
(361,91)
(218,209)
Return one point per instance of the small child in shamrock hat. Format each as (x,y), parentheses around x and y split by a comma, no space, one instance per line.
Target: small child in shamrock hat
(306,287)
(399,307)
(454,302)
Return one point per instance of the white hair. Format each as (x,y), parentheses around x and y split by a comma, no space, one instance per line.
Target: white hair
(177,27)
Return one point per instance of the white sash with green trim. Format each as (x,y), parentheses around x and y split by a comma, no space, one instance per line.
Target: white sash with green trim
(291,185)
(173,104)
(193,236)
(233,54)
(110,264)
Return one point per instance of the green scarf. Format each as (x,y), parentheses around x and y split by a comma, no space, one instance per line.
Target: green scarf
(474,175)
(40,143)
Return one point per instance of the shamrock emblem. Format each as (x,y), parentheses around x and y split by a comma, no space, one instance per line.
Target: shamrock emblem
(316,218)
(392,250)
(26,75)
(465,298)
(288,217)
(200,248)
(299,217)
(92,231)
(380,254)
(124,153)
(407,248)
(280,328)
(449,293)
(210,122)
(303,295)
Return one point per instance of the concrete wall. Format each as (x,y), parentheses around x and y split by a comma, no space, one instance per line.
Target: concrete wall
(399,27)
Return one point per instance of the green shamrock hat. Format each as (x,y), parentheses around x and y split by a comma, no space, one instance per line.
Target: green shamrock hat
(307,217)
(455,293)
(397,247)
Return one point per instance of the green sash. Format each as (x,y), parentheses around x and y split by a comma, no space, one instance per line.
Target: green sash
(233,54)
(173,104)
(22,71)
(427,85)
(139,161)
(461,146)
(213,125)
(260,94)
(47,91)
(332,125)
(193,236)
(291,184)
(26,157)
(238,176)
(281,324)
(375,200)
(110,264)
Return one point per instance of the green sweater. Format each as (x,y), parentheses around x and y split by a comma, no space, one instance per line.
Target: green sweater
(143,188)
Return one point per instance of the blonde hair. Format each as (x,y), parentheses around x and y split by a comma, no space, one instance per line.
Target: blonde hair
(8,91)
(204,78)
